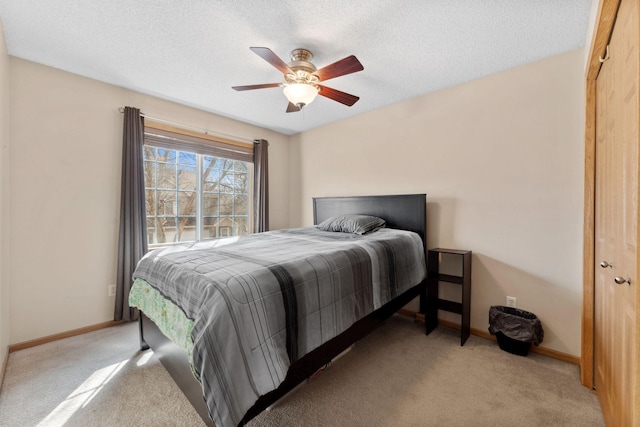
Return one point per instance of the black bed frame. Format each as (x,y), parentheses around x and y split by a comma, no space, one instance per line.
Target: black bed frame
(406,212)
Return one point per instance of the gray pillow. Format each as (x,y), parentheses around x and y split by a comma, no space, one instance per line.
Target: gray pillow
(357,224)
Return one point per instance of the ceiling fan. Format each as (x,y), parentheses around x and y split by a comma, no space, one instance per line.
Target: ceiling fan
(302,78)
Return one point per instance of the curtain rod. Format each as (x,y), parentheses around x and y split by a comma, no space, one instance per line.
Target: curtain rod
(204,130)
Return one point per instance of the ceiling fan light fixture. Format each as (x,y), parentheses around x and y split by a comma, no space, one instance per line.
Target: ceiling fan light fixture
(301,94)
(303,81)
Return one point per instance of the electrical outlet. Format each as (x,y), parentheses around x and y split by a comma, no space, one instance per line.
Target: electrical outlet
(112,290)
(511,302)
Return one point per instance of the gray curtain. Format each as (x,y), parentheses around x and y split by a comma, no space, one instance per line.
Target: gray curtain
(261,185)
(132,244)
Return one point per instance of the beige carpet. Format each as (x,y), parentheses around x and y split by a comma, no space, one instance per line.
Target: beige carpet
(394,377)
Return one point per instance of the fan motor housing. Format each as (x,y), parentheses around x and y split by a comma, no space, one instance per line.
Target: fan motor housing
(300,61)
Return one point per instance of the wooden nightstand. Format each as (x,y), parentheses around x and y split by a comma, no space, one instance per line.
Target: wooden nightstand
(434,257)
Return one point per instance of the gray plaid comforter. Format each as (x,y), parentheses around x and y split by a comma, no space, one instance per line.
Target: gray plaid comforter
(262,301)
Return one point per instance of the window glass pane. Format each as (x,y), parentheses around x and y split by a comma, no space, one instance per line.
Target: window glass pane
(166,203)
(186,229)
(210,178)
(149,152)
(165,155)
(206,161)
(187,158)
(166,175)
(226,227)
(187,203)
(150,174)
(187,177)
(241,183)
(150,202)
(151,230)
(225,164)
(165,230)
(226,181)
(240,166)
(210,204)
(213,162)
(209,228)
(226,204)
(241,226)
(241,205)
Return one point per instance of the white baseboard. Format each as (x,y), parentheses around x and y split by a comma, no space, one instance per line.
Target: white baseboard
(419,318)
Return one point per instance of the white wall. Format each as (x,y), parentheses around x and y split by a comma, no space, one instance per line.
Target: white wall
(593,15)
(501,159)
(4,199)
(66,134)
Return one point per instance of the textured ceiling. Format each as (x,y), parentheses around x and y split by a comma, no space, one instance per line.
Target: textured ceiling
(193,51)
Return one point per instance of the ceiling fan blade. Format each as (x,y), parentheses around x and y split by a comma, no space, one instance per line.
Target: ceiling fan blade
(336,95)
(291,108)
(273,59)
(251,87)
(345,66)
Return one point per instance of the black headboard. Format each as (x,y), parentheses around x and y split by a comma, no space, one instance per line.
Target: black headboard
(403,211)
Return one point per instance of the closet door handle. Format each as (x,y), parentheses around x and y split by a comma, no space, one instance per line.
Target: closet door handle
(605,264)
(620,280)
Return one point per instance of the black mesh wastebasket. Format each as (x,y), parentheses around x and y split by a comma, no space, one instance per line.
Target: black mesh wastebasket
(515,329)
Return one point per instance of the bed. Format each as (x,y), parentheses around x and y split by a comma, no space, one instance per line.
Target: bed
(292,347)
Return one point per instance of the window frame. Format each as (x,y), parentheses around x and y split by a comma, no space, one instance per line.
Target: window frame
(201,149)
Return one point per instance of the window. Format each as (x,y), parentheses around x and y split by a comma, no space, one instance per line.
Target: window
(192,196)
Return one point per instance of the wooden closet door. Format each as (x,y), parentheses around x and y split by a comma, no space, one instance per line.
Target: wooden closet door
(617,140)
(605,235)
